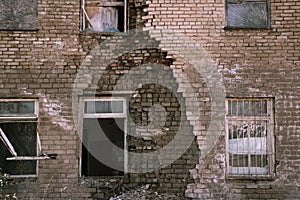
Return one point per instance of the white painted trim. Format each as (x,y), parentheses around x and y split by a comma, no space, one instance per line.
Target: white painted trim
(125,16)
(21,100)
(24,176)
(104,115)
(7,143)
(28,158)
(17,117)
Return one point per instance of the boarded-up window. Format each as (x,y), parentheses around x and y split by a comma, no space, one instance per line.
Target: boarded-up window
(18,123)
(250,136)
(18,14)
(248,13)
(103,16)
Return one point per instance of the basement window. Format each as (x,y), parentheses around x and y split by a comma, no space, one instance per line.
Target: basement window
(103,15)
(247,13)
(104,137)
(249,138)
(19,139)
(18,14)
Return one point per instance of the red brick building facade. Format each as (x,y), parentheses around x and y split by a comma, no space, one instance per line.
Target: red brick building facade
(219,78)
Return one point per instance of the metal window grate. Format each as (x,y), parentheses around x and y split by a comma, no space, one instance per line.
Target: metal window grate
(248,13)
(249,133)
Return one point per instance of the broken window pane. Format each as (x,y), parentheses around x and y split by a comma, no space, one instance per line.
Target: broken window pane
(103,16)
(18,14)
(22,135)
(248,14)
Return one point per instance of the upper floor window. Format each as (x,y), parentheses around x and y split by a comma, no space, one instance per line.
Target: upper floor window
(249,138)
(18,14)
(103,15)
(18,137)
(248,13)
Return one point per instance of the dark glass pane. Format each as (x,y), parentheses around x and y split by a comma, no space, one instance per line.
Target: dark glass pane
(103,139)
(260,107)
(18,14)
(229,108)
(17,107)
(259,160)
(236,160)
(246,108)
(121,19)
(247,15)
(234,108)
(240,108)
(104,107)
(22,136)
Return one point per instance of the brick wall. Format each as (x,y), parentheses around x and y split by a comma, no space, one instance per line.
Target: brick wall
(43,64)
(254,63)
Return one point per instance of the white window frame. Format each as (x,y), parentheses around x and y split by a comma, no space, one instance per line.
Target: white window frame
(270,152)
(103,115)
(7,143)
(84,17)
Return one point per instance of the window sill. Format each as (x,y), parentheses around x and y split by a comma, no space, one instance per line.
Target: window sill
(246,28)
(22,179)
(19,30)
(250,179)
(93,33)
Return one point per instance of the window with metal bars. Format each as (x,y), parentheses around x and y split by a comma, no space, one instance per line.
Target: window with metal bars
(247,13)
(104,15)
(249,137)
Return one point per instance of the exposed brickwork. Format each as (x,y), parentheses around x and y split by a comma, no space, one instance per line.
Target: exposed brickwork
(254,63)
(43,64)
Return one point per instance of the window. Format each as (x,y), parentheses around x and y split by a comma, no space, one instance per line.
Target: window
(103,15)
(249,138)
(104,137)
(248,13)
(18,14)
(18,134)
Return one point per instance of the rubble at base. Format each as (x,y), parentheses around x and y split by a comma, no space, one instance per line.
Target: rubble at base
(145,192)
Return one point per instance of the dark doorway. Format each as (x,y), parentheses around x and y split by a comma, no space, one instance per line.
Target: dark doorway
(98,134)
